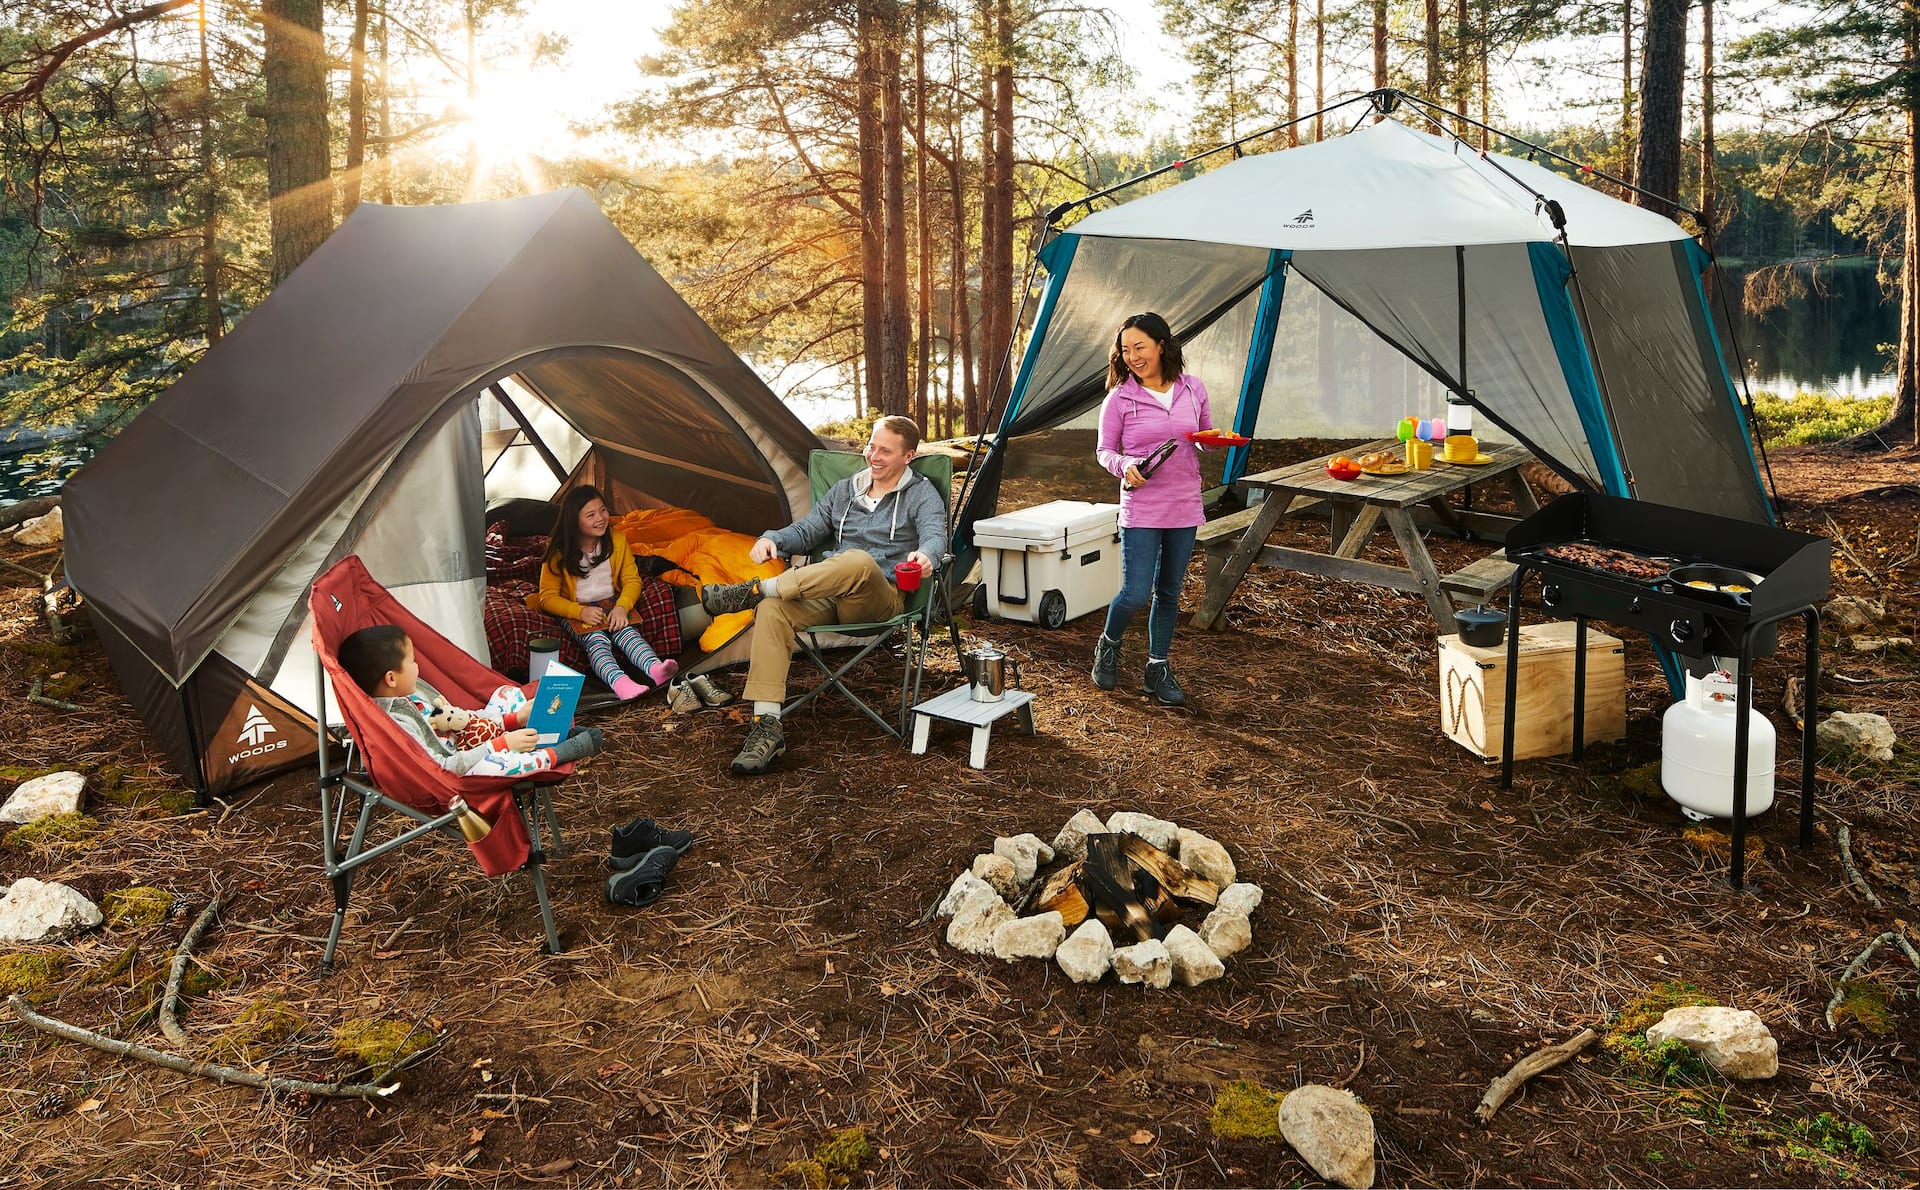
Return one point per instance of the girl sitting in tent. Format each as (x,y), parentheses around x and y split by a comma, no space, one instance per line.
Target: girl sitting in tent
(589,581)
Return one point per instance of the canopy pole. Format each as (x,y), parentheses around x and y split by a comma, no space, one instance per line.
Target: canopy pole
(1253,383)
(526,427)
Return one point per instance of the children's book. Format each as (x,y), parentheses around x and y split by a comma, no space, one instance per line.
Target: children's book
(553,703)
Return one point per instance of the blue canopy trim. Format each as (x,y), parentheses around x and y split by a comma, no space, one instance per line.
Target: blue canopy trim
(1551,272)
(1259,356)
(1701,261)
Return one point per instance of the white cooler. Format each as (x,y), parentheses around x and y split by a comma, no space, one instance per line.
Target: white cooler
(1050,563)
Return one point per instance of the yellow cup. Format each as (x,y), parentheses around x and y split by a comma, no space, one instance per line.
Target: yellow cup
(1460,448)
(1419,454)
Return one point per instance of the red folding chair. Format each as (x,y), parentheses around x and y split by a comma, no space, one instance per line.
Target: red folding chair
(386,767)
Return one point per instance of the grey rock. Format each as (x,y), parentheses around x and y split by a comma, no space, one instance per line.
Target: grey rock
(1193,960)
(962,884)
(41,530)
(34,909)
(1862,734)
(1733,1041)
(1331,1132)
(1205,858)
(1878,644)
(1071,842)
(42,797)
(998,871)
(1036,937)
(1144,962)
(1849,614)
(1088,954)
(975,921)
(1226,933)
(1242,899)
(1027,853)
(1157,831)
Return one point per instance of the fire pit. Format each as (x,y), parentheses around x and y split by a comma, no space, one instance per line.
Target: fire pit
(1132,878)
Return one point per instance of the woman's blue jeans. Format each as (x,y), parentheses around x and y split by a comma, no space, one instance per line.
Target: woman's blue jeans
(1153,565)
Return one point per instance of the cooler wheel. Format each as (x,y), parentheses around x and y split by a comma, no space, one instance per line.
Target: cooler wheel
(1053,610)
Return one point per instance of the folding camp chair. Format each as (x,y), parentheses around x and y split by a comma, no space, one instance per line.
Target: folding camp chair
(386,767)
(912,628)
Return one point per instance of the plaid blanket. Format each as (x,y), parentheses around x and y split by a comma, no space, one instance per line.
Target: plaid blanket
(510,623)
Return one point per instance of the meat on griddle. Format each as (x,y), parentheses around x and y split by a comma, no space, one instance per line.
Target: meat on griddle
(1608,560)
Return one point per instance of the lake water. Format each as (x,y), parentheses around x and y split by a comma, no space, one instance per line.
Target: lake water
(1825,340)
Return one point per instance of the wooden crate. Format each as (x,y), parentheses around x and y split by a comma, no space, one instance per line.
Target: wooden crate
(1473,692)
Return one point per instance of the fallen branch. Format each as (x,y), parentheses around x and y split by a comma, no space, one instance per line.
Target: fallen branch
(1853,873)
(1860,964)
(34,695)
(1846,550)
(1355,1072)
(225,1074)
(1538,1062)
(170,1003)
(1874,681)
(26,510)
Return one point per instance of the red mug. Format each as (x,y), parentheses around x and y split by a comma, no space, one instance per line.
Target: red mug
(906,576)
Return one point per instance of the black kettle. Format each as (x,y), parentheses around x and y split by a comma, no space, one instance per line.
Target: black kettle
(1481,626)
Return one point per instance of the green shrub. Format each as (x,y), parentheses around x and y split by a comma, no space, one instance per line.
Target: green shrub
(852,429)
(1816,417)
(1834,1137)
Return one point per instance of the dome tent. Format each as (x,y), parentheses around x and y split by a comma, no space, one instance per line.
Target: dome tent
(344,415)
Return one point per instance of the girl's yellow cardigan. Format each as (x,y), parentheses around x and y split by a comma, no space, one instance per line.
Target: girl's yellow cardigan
(555,596)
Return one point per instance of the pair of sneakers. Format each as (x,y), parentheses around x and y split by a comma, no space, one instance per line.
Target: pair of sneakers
(698,692)
(643,853)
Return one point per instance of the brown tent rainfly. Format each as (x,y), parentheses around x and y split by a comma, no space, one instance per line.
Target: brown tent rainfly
(421,362)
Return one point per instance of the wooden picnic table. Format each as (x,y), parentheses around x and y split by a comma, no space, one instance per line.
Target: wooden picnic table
(1408,503)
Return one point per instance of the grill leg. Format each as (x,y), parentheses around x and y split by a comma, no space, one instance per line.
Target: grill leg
(1579,686)
(1808,782)
(1742,708)
(1513,675)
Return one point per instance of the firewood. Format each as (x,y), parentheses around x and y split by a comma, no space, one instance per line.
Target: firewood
(1170,872)
(1061,894)
(1106,880)
(1538,1062)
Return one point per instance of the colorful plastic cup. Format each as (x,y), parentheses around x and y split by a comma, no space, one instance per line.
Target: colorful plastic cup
(907,576)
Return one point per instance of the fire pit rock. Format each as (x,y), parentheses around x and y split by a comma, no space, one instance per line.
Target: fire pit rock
(1026,899)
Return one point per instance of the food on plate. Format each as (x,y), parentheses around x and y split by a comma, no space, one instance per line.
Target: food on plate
(1377,458)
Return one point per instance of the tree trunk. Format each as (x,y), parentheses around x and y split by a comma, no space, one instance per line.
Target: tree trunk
(1319,64)
(294,66)
(1380,46)
(1433,51)
(1293,72)
(1626,91)
(1662,75)
(356,110)
(895,328)
(210,208)
(959,301)
(473,91)
(385,187)
(996,213)
(872,157)
(923,219)
(1707,159)
(1462,58)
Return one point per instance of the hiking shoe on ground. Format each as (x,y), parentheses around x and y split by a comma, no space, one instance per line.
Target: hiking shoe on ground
(683,698)
(722,599)
(1162,685)
(765,744)
(632,842)
(642,884)
(709,691)
(1106,663)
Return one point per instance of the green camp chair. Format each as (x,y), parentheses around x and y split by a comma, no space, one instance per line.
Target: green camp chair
(912,627)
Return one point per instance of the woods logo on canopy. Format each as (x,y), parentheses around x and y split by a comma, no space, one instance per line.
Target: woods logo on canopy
(1303,219)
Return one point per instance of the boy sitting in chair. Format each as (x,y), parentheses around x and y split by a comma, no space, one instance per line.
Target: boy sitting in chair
(493,741)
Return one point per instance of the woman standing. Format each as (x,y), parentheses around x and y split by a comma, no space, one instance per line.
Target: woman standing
(1151,402)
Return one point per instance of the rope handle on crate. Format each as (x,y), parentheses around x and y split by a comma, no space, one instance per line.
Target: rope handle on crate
(1456,714)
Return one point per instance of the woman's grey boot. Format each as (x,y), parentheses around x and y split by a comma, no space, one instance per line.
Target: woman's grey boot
(1106,663)
(1162,685)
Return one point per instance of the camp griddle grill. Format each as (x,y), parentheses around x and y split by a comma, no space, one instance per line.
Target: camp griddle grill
(1700,585)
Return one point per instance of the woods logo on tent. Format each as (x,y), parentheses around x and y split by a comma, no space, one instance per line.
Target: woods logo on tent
(255,730)
(1303,219)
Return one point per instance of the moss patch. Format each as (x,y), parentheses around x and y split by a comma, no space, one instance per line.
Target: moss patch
(13,774)
(1245,1110)
(1867,1002)
(151,798)
(833,1164)
(1669,1061)
(1717,847)
(56,832)
(1833,1137)
(264,1027)
(380,1045)
(31,974)
(141,906)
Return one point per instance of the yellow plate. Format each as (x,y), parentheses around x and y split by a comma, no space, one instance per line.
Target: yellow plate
(1387,469)
(1479,461)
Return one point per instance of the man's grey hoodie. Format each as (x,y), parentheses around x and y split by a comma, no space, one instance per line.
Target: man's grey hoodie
(913,516)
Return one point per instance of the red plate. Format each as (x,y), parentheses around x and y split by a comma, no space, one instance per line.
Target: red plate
(1217,439)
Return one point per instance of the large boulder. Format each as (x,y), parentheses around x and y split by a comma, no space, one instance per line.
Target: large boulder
(1332,1132)
(1733,1041)
(43,797)
(34,909)
(1860,734)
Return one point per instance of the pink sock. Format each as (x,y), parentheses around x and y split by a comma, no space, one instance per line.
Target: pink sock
(661,672)
(626,689)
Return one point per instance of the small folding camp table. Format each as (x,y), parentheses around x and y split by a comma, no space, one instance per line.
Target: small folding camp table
(958,706)
(1404,501)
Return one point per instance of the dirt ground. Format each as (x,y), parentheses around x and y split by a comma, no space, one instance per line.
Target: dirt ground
(1422,929)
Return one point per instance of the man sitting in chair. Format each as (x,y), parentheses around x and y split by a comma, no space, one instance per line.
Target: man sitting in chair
(866,525)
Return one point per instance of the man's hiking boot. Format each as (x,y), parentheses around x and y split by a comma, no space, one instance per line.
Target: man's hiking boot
(632,842)
(765,744)
(1162,686)
(721,599)
(1106,663)
(642,884)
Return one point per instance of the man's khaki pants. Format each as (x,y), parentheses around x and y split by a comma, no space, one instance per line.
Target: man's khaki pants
(847,588)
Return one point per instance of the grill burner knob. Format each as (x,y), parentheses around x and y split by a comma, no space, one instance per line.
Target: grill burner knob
(1680,631)
(1550,594)
(1634,606)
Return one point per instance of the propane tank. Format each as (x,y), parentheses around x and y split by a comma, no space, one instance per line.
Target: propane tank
(1696,750)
